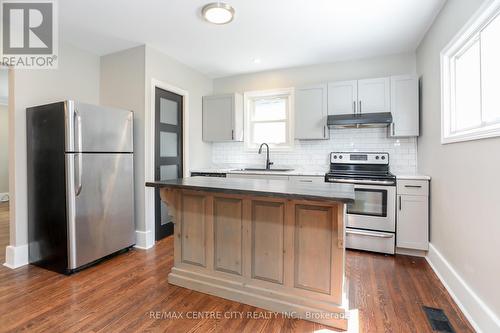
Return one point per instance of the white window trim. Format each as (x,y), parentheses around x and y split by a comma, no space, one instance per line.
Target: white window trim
(470,31)
(248,96)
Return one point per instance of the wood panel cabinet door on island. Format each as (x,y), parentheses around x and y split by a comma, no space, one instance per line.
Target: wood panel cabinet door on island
(275,253)
(228,235)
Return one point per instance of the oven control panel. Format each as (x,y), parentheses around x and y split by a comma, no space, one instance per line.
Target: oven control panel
(359,158)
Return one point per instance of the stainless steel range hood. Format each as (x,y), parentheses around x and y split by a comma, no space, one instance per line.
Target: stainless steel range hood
(382,119)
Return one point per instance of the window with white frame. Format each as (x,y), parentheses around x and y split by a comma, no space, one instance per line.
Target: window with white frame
(470,78)
(268,116)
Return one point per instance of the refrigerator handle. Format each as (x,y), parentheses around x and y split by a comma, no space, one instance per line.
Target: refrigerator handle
(78,131)
(78,155)
(78,173)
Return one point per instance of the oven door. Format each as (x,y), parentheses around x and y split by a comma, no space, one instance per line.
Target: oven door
(374,208)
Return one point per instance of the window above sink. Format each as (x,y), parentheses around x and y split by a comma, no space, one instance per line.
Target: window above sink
(269,118)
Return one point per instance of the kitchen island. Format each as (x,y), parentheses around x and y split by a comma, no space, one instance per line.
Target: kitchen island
(267,243)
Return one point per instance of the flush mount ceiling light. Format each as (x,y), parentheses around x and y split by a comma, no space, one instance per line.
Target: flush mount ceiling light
(218,13)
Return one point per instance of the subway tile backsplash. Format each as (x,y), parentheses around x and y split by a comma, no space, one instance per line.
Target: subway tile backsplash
(313,155)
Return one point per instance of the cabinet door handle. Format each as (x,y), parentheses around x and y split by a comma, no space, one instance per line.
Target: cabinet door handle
(393,130)
(399,202)
(413,186)
(360,107)
(354,107)
(305,181)
(232,134)
(324,131)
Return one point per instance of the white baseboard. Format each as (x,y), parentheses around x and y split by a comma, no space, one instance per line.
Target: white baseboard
(481,317)
(4,197)
(16,256)
(144,239)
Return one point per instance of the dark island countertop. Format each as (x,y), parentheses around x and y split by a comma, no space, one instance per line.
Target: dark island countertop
(275,188)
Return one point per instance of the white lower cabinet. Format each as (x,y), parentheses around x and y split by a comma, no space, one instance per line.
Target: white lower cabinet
(307,179)
(292,178)
(413,215)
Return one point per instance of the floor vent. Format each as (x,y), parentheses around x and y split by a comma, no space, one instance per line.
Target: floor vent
(438,320)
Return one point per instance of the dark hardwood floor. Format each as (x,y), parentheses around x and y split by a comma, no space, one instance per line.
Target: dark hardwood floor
(120,294)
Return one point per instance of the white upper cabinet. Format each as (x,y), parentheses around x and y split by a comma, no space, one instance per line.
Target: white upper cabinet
(311,103)
(404,106)
(342,97)
(359,96)
(223,118)
(374,95)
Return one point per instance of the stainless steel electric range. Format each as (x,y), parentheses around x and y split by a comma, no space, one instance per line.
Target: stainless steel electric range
(371,219)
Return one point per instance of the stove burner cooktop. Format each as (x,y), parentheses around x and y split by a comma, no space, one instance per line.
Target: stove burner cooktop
(360,166)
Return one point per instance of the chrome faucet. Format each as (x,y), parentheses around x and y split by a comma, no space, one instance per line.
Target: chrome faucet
(268,163)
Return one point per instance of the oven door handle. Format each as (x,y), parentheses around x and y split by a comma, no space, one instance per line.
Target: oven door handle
(366,233)
(363,181)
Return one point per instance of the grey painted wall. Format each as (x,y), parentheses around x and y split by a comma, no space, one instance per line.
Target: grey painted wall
(122,86)
(4,148)
(4,85)
(126,83)
(76,78)
(465,210)
(296,76)
(160,66)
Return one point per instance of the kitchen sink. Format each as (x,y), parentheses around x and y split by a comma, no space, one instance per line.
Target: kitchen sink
(262,169)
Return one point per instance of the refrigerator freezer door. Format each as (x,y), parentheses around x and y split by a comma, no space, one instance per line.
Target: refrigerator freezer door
(100,205)
(92,128)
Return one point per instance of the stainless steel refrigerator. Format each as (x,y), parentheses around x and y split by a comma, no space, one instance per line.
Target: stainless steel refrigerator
(80,184)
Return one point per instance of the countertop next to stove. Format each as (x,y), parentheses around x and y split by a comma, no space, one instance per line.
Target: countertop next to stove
(413,177)
(277,173)
(296,173)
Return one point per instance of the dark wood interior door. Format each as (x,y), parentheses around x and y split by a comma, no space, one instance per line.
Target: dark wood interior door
(168,152)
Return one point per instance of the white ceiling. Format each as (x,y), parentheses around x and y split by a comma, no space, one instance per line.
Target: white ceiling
(282,33)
